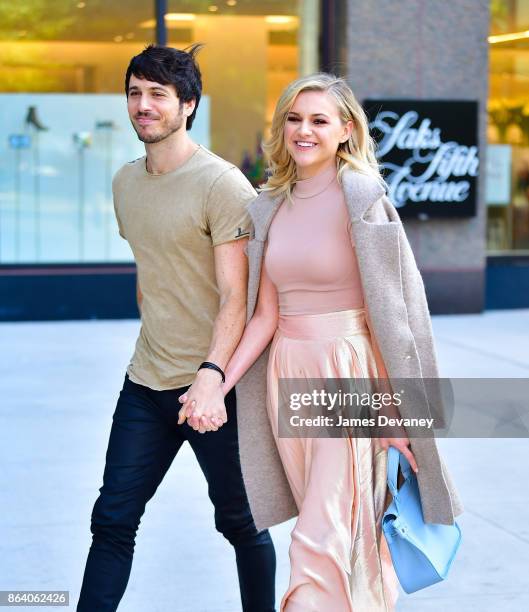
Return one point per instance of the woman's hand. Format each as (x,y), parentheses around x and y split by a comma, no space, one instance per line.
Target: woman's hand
(403,445)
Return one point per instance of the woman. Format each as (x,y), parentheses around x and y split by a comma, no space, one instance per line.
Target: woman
(334,283)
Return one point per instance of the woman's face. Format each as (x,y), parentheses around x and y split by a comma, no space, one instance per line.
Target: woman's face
(313,131)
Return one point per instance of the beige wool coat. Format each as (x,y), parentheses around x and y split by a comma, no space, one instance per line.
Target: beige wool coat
(400,321)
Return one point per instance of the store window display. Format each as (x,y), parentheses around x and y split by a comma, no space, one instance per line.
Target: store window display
(507,191)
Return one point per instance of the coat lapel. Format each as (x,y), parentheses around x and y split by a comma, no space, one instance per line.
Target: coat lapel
(377,250)
(361,191)
(262,211)
(376,236)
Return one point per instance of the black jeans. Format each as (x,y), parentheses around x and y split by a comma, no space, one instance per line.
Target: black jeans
(144,440)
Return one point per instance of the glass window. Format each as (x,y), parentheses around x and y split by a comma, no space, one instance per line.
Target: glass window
(508,129)
(251,52)
(64,128)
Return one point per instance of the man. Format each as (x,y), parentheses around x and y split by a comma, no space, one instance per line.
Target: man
(182,210)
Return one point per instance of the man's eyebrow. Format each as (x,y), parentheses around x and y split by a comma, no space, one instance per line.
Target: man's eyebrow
(160,87)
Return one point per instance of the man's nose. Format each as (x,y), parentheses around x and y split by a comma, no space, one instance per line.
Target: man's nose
(144,103)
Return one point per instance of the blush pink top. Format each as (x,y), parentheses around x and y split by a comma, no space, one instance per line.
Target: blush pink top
(310,256)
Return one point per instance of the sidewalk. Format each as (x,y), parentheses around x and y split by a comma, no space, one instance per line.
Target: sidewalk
(58,386)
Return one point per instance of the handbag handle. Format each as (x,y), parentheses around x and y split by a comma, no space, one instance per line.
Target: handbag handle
(395,457)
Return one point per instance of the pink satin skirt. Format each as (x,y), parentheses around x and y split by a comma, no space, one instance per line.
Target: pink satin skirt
(338,555)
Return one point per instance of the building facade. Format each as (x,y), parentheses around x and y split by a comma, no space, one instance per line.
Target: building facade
(438,51)
(65,131)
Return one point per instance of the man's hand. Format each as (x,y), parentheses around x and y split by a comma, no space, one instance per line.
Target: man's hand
(203,403)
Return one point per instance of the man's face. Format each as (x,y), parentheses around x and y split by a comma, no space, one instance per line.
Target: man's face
(155,110)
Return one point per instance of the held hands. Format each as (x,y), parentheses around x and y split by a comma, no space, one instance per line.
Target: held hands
(203,403)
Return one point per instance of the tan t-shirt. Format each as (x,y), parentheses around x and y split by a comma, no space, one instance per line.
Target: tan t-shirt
(172,222)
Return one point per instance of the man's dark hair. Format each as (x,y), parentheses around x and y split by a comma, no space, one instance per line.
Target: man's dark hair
(170,66)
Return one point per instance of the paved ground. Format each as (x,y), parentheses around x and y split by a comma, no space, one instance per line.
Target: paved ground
(58,386)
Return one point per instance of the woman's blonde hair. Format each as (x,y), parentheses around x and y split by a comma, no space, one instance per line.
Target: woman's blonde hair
(358,152)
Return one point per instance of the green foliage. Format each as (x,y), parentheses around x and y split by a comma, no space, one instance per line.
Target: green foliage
(36,19)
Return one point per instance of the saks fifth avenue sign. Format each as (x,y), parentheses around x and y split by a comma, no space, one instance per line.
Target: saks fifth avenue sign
(429,155)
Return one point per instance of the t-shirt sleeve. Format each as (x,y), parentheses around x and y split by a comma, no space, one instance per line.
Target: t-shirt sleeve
(226,212)
(116,211)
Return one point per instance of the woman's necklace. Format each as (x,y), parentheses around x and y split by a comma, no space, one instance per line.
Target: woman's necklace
(314,194)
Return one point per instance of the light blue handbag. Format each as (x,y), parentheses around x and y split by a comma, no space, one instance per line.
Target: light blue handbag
(422,553)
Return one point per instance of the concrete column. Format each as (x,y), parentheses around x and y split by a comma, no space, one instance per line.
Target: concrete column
(430,49)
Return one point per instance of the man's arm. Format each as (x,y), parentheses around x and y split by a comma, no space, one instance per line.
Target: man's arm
(231,271)
(205,399)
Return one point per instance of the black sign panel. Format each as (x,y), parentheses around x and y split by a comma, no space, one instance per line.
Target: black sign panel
(429,155)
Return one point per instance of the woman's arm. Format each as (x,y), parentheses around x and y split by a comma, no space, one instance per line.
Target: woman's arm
(257,335)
